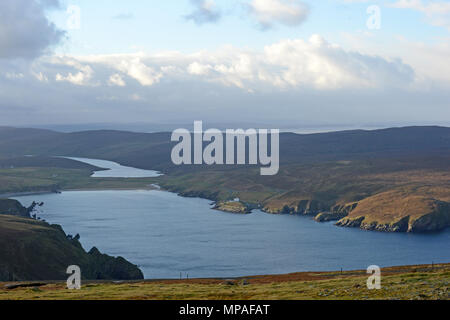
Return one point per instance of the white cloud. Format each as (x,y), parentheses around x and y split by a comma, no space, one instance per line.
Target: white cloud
(429,60)
(322,65)
(81,77)
(270,12)
(437,13)
(198,69)
(136,69)
(294,63)
(116,80)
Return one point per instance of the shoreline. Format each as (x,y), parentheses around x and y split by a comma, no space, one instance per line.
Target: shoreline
(32,193)
(21,194)
(215,205)
(280,276)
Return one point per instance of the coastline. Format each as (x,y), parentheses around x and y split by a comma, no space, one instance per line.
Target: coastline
(21,194)
(362,214)
(32,193)
(229,207)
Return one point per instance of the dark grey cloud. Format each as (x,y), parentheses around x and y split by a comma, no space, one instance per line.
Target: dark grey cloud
(25,31)
(205,11)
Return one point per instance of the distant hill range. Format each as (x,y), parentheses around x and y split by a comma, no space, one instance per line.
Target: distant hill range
(395,179)
(152,150)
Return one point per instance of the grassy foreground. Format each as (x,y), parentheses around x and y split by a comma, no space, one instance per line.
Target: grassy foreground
(404,283)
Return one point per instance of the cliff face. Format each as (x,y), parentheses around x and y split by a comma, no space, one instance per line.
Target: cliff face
(337,212)
(396,211)
(303,207)
(35,250)
(14,208)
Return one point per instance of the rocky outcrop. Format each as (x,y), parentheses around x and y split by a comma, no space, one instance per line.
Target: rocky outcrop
(104,267)
(233,207)
(399,212)
(398,226)
(309,207)
(303,207)
(14,208)
(329,216)
(337,212)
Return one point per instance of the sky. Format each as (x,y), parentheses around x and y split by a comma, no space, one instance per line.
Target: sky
(277,63)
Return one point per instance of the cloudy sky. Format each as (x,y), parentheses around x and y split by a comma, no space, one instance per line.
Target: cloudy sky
(274,62)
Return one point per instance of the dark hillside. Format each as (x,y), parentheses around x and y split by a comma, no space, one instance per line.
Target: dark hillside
(152,150)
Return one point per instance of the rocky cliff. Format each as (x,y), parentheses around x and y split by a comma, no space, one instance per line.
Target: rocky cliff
(337,212)
(303,207)
(397,211)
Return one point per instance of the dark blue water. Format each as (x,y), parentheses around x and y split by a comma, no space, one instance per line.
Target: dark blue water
(166,234)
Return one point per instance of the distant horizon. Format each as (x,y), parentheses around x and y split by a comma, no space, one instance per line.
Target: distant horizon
(161,128)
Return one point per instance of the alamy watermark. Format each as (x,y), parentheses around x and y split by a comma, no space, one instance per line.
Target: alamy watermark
(374,20)
(374,281)
(74,280)
(231,150)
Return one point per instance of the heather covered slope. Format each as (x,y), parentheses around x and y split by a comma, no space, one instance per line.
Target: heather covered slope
(35,250)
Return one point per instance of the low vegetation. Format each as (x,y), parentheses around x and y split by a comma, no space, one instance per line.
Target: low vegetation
(425,282)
